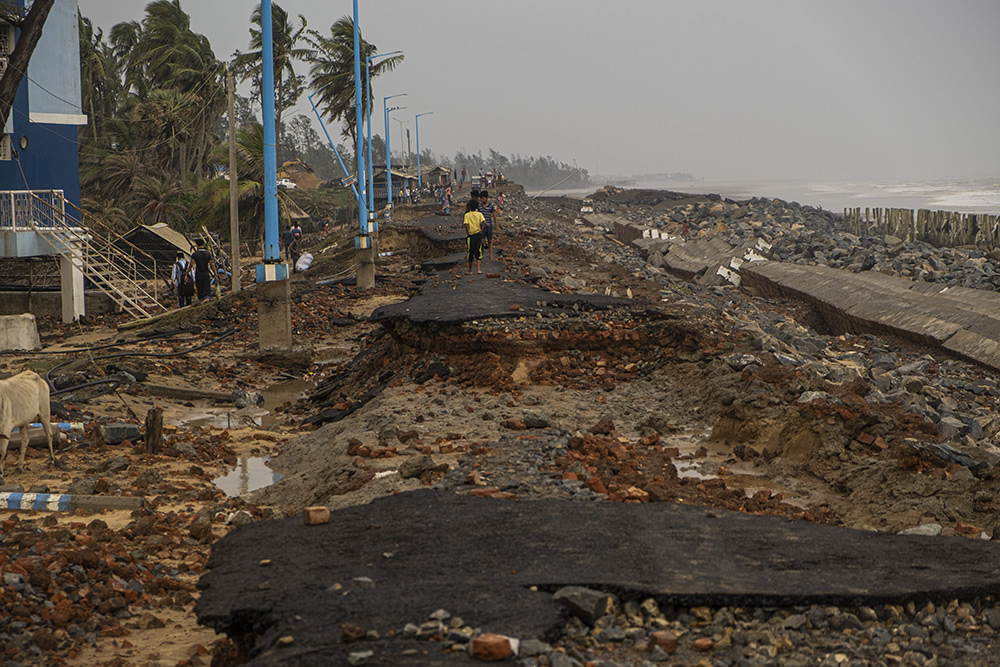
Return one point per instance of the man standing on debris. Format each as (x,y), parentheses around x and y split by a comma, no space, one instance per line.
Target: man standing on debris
(182,280)
(286,238)
(488,210)
(473,223)
(204,267)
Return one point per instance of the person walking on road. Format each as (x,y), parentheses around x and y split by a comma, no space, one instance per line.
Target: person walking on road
(203,270)
(183,280)
(473,223)
(488,211)
(446,201)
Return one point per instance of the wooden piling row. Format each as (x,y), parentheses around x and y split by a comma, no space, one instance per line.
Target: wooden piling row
(939,228)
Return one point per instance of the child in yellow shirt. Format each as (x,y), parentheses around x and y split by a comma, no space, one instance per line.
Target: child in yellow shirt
(473,223)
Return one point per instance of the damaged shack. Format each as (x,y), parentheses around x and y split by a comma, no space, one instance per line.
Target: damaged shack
(153,247)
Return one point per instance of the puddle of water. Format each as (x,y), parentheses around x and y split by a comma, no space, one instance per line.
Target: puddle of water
(274,396)
(249,475)
(278,394)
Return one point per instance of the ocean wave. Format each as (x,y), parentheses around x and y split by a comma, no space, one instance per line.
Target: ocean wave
(969,199)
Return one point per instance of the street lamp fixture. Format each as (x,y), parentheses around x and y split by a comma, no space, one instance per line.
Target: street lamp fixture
(368,107)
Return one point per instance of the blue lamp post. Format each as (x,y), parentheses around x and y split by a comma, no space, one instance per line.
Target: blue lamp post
(388,156)
(368,115)
(359,120)
(271,251)
(417,119)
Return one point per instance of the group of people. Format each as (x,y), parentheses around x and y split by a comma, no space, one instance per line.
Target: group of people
(194,274)
(481,224)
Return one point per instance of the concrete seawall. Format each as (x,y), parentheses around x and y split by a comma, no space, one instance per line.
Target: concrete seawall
(966,322)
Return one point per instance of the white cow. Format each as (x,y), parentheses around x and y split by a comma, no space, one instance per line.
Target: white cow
(22,398)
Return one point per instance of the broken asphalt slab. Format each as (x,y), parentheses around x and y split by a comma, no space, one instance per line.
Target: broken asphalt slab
(460,260)
(479,296)
(400,558)
(437,229)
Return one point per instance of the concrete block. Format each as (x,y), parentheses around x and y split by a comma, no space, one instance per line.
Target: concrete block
(274,315)
(18,332)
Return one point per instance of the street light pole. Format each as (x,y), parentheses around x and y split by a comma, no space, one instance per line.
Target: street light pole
(388,155)
(274,315)
(368,115)
(419,175)
(402,154)
(359,130)
(364,242)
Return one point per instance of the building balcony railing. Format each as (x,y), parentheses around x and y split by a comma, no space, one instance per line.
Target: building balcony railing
(24,210)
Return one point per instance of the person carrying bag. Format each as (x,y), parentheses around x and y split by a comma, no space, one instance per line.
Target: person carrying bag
(183,280)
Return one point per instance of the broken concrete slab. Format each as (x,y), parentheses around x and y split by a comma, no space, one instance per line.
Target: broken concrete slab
(963,321)
(18,332)
(496,564)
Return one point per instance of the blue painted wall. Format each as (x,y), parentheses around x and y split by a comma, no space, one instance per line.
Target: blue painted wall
(51,160)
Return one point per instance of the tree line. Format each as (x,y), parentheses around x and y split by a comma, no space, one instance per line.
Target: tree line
(155,144)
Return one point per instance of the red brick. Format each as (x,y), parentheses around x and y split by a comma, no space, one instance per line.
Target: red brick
(702,644)
(490,647)
(968,529)
(667,641)
(866,438)
(351,632)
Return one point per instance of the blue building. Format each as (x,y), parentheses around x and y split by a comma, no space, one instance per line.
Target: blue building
(40,174)
(39,149)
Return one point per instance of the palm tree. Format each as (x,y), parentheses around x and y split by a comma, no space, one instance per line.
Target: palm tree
(155,199)
(174,83)
(250,172)
(101,87)
(111,175)
(286,38)
(332,71)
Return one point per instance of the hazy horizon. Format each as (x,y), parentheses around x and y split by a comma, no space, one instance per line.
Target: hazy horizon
(723,89)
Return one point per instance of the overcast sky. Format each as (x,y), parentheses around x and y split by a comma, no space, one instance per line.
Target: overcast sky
(725,89)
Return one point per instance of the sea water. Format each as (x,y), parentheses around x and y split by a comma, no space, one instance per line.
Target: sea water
(961,195)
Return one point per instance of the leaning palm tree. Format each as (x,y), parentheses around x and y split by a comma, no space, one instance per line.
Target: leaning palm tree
(285,38)
(332,71)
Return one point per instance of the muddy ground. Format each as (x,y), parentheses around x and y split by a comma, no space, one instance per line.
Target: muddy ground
(648,398)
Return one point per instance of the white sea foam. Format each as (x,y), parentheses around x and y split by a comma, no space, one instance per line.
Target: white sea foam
(975,199)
